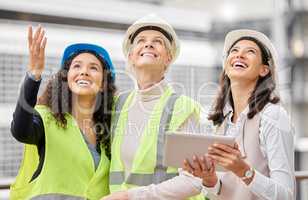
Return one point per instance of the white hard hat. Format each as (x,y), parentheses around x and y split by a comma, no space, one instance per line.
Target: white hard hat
(152,22)
(235,35)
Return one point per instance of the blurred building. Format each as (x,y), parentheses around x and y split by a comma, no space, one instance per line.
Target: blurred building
(201,26)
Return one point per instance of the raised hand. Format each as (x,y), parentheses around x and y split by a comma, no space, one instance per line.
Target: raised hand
(204,168)
(36,45)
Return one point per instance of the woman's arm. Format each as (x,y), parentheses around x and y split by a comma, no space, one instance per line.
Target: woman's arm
(27,126)
(180,187)
(276,138)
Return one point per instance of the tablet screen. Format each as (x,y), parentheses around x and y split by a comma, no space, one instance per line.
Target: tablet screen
(180,146)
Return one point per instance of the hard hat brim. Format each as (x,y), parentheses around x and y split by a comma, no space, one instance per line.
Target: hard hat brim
(80,47)
(153,21)
(235,35)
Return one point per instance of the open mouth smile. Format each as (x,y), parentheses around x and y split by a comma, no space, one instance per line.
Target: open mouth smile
(83,83)
(238,64)
(149,54)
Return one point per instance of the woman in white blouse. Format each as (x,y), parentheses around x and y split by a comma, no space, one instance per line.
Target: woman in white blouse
(261,165)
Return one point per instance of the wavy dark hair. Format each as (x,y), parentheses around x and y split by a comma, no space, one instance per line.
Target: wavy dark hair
(263,93)
(58,97)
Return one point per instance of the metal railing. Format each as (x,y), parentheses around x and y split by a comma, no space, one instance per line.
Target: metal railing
(5,183)
(301,175)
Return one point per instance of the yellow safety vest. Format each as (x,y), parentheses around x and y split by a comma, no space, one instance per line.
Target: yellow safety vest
(68,166)
(168,114)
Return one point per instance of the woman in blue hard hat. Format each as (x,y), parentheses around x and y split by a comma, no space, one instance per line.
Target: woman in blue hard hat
(66,134)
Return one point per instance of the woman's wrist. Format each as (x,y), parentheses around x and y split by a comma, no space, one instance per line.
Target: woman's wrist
(214,190)
(249,176)
(34,75)
(241,171)
(210,183)
(246,174)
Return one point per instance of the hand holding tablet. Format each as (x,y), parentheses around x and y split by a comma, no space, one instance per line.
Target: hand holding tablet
(180,146)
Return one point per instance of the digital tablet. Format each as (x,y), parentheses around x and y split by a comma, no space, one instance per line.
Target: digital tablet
(180,146)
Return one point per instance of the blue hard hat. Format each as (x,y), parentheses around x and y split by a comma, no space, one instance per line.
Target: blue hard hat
(98,50)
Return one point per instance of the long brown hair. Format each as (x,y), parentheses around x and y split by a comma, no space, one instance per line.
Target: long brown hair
(263,93)
(58,97)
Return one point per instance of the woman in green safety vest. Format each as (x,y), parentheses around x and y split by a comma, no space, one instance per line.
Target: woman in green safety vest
(143,115)
(66,138)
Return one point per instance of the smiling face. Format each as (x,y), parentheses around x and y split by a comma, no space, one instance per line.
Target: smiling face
(244,62)
(150,50)
(85,75)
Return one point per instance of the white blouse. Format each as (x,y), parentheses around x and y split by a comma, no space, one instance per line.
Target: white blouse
(277,145)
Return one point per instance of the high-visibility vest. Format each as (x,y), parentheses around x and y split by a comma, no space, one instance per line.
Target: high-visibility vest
(169,114)
(68,167)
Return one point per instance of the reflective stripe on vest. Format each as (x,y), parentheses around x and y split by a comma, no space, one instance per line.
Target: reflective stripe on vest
(117,111)
(160,172)
(117,178)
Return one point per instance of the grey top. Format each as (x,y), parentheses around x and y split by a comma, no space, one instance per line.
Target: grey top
(92,148)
